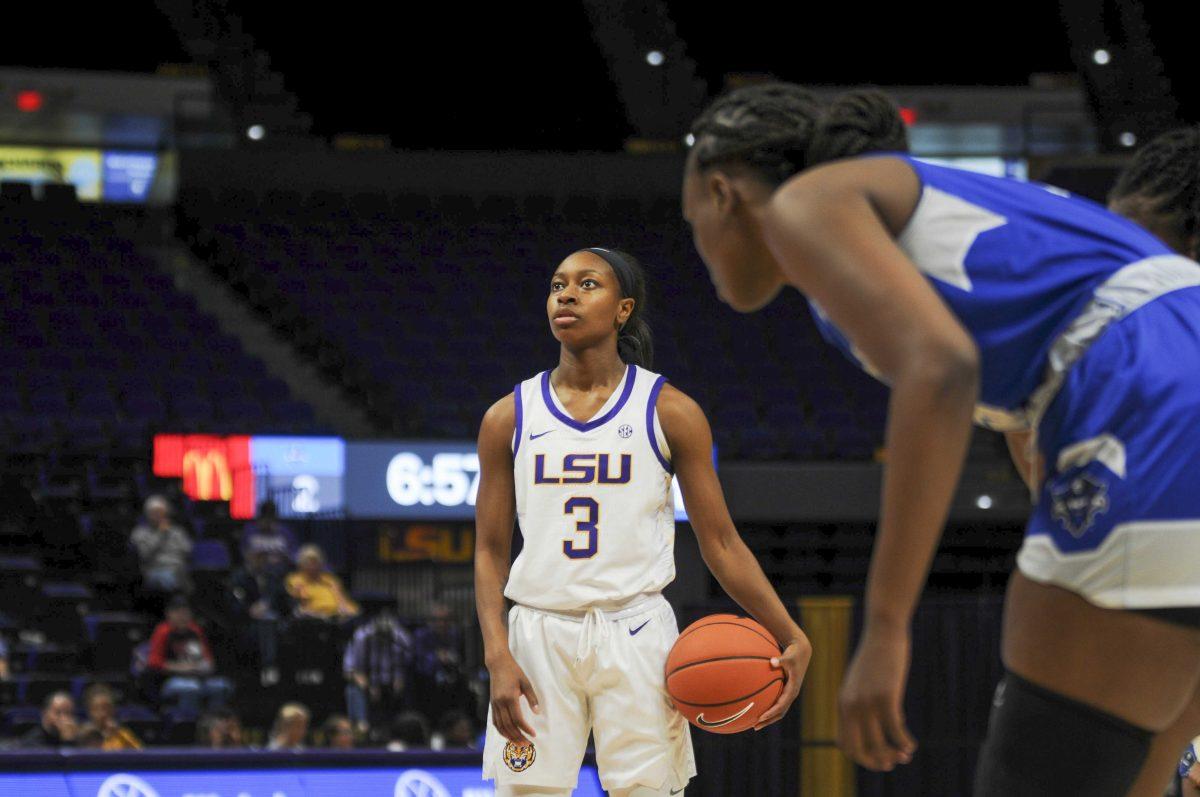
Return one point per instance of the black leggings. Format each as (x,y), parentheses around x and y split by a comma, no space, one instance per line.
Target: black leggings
(1042,744)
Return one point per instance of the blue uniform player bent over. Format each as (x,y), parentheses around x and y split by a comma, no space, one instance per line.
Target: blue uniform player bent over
(1017,306)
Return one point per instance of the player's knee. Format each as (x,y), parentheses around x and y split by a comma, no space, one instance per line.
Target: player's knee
(1042,743)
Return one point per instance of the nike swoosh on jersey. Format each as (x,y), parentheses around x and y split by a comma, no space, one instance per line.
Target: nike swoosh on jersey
(533,436)
(633,631)
(718,723)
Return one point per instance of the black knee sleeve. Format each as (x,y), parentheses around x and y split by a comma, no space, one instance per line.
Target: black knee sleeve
(1042,744)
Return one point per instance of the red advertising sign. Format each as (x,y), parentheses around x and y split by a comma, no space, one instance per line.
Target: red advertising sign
(213,468)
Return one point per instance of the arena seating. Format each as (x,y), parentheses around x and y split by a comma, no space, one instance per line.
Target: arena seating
(103,350)
(431,312)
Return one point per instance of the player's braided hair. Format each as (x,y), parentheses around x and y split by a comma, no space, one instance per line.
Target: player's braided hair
(635,344)
(1165,172)
(780,129)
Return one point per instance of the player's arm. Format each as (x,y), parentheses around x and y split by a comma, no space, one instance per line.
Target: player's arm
(495,513)
(690,439)
(832,232)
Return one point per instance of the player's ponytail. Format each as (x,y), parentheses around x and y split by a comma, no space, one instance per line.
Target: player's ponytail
(635,344)
(780,129)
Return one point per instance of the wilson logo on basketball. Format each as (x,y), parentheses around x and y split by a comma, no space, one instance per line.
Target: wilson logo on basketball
(519,757)
(700,720)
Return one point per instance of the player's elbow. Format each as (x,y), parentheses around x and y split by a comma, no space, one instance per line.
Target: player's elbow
(490,549)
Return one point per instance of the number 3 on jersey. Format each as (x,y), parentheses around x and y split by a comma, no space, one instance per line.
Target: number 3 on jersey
(587,525)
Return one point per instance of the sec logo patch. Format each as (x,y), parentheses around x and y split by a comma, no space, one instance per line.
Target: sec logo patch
(625,431)
(519,757)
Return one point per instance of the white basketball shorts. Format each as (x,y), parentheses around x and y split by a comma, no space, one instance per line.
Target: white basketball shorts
(600,672)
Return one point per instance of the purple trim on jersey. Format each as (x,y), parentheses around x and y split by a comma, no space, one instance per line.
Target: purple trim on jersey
(630,374)
(650,405)
(517,431)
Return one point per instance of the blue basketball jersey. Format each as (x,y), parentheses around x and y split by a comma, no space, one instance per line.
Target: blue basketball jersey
(1015,262)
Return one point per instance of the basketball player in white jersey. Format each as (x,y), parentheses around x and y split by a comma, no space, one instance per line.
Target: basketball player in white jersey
(583,456)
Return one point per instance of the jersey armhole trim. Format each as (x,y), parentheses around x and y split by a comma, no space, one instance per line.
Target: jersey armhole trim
(650,407)
(517,421)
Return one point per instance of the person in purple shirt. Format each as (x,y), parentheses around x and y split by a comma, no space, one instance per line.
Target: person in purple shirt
(376,665)
(271,538)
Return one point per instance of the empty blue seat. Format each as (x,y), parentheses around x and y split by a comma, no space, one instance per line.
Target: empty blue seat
(46,657)
(49,401)
(97,403)
(146,406)
(210,555)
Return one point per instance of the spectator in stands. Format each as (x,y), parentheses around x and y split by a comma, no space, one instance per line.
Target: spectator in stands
(323,613)
(442,676)
(58,727)
(219,730)
(272,539)
(7,687)
(101,705)
(376,665)
(164,549)
(180,655)
(291,728)
(455,730)
(318,592)
(338,733)
(260,602)
(408,731)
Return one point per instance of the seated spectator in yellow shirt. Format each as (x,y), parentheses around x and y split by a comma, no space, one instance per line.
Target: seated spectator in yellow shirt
(101,705)
(318,592)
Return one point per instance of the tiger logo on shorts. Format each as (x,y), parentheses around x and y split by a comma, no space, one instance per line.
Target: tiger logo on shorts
(519,757)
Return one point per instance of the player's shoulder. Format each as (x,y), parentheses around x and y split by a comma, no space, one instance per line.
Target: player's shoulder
(501,415)
(505,404)
(675,405)
(861,172)
(890,182)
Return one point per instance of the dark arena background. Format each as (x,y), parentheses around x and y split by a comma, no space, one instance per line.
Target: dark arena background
(263,269)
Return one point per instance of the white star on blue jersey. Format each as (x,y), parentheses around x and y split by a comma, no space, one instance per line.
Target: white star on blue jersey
(942,231)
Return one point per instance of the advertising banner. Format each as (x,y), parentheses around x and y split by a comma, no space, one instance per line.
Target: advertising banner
(409,782)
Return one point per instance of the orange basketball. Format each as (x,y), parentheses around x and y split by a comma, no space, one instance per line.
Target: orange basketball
(719,673)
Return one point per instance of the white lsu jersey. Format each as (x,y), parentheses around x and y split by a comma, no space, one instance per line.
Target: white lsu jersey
(594,498)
